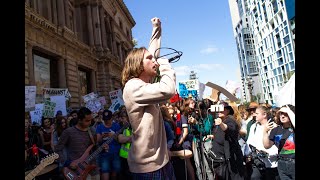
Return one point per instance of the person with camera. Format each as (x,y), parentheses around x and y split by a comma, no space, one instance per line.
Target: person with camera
(283,136)
(262,162)
(226,155)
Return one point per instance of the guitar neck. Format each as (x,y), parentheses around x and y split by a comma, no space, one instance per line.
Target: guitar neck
(34,172)
(100,148)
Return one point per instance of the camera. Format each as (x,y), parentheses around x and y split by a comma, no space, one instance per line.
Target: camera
(257,156)
(217,108)
(214,157)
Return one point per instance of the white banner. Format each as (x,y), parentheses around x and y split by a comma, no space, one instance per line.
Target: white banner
(48,92)
(286,95)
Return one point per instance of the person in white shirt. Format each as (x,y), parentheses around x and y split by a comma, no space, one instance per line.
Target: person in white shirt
(255,139)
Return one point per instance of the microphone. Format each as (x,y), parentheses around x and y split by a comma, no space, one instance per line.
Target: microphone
(174,58)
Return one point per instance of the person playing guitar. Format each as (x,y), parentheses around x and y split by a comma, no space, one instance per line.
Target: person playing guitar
(78,140)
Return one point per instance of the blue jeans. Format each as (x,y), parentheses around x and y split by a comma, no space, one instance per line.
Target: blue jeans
(109,162)
(286,169)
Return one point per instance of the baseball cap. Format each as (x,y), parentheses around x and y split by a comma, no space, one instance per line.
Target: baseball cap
(106,115)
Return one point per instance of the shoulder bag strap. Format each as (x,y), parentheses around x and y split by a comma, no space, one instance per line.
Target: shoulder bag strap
(91,137)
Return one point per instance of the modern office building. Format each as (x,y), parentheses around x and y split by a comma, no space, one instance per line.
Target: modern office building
(274,45)
(78,45)
(272,30)
(251,84)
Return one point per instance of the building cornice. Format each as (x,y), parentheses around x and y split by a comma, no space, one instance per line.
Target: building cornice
(126,12)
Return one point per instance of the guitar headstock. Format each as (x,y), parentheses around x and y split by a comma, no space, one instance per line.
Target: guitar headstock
(49,159)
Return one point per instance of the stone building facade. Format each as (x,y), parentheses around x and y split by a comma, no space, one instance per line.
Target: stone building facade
(76,44)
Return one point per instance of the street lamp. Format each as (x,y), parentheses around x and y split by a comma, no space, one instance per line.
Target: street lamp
(249,83)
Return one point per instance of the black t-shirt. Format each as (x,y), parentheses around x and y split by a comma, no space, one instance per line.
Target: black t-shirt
(283,138)
(219,136)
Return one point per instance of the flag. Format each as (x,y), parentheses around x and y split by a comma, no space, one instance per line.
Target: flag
(175,98)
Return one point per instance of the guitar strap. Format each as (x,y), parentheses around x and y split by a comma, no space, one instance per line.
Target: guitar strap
(91,137)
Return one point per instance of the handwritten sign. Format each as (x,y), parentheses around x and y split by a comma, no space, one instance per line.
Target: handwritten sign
(94,105)
(48,110)
(115,106)
(48,92)
(30,98)
(89,97)
(190,87)
(102,100)
(36,115)
(116,95)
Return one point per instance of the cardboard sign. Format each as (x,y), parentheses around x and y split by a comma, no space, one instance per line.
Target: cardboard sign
(222,90)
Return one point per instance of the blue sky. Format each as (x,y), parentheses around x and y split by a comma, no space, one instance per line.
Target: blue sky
(202,30)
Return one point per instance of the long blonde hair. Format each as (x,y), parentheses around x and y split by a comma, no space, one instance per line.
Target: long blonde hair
(133,65)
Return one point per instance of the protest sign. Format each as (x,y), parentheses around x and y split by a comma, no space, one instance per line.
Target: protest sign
(48,92)
(48,110)
(36,115)
(30,98)
(90,96)
(116,95)
(60,104)
(102,100)
(115,106)
(94,105)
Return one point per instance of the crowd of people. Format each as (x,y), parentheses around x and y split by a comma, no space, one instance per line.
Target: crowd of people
(233,147)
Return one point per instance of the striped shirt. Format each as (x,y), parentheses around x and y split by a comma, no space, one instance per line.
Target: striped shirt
(76,141)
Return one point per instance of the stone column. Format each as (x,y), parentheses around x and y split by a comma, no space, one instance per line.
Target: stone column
(40,7)
(30,65)
(66,11)
(54,10)
(61,13)
(93,81)
(62,73)
(103,28)
(35,5)
(78,24)
(49,10)
(90,29)
(109,34)
(74,19)
(28,2)
(120,52)
(95,27)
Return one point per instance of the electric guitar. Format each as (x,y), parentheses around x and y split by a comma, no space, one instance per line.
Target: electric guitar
(43,163)
(82,164)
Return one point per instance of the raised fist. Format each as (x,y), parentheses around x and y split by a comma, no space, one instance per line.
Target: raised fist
(156,22)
